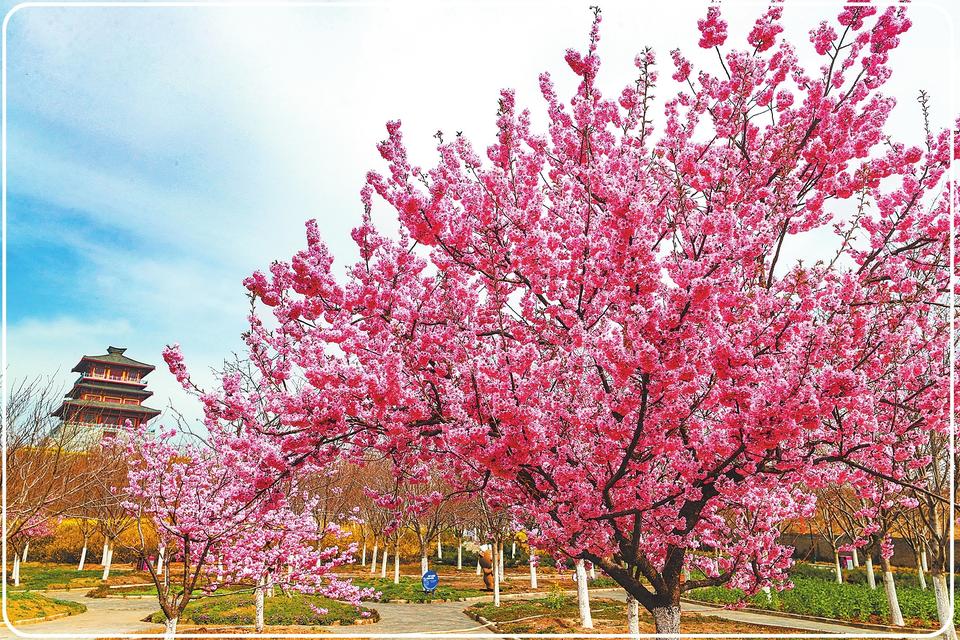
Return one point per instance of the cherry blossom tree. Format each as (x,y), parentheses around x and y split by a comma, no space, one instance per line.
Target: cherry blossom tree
(285,550)
(598,326)
(223,501)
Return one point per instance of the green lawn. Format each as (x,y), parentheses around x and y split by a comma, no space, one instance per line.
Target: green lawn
(24,605)
(411,590)
(39,576)
(280,610)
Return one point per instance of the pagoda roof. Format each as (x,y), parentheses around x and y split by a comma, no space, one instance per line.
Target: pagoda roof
(85,384)
(106,406)
(114,355)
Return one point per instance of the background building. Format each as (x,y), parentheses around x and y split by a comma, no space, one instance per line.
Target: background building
(109,391)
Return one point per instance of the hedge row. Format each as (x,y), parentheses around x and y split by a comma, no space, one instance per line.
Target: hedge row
(816,597)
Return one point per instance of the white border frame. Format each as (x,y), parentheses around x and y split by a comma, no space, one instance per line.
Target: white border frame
(227,4)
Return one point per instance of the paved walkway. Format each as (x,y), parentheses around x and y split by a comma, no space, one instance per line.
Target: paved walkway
(103,616)
(107,616)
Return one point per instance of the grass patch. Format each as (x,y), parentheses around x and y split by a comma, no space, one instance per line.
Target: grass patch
(411,590)
(238,610)
(23,605)
(817,597)
(559,613)
(43,576)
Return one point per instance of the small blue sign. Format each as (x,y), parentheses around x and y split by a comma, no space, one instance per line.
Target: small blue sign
(430,580)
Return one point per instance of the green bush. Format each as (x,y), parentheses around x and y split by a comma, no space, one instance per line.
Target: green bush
(238,610)
(817,597)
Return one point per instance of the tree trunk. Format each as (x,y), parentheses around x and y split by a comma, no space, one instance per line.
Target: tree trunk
(479,570)
(258,595)
(583,596)
(106,549)
(667,620)
(836,566)
(923,559)
(533,569)
(502,574)
(920,577)
(439,548)
(496,575)
(107,561)
(83,556)
(16,570)
(160,562)
(373,563)
(460,554)
(856,558)
(396,562)
(513,549)
(424,563)
(871,579)
(896,616)
(383,567)
(363,557)
(944,609)
(633,616)
(26,550)
(170,629)
(270,590)
(593,571)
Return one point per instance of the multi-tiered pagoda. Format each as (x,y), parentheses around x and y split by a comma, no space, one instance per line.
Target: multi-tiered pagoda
(109,391)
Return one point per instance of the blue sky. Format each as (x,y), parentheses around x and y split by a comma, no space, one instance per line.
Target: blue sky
(157,156)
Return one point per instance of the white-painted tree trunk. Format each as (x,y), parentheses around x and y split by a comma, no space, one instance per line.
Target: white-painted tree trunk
(871,578)
(373,562)
(106,549)
(83,556)
(107,561)
(496,575)
(593,572)
(766,592)
(460,554)
(856,558)
(667,620)
(439,548)
(923,559)
(258,595)
(396,563)
(942,595)
(16,570)
(896,616)
(424,564)
(270,585)
(383,567)
(170,629)
(583,596)
(502,574)
(160,562)
(479,570)
(363,556)
(920,577)
(836,567)
(633,616)
(533,569)
(26,550)
(513,549)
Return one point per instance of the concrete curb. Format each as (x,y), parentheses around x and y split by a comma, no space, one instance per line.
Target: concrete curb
(56,616)
(799,616)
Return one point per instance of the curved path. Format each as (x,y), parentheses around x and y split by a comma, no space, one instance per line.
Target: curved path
(107,616)
(104,616)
